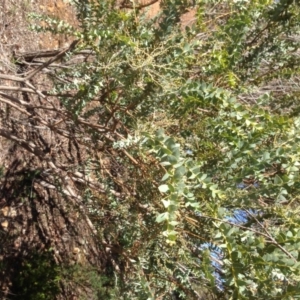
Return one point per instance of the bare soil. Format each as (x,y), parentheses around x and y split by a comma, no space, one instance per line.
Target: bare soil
(37,224)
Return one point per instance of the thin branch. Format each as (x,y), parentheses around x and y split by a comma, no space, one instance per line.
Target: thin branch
(12,78)
(236,225)
(133,6)
(29,146)
(267,235)
(50,61)
(29,56)
(274,242)
(17,89)
(15,106)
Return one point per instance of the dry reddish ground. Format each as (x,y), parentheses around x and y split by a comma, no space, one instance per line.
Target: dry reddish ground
(186,20)
(15,23)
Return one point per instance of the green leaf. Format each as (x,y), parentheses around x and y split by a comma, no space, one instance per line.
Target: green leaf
(165,177)
(179,172)
(163,188)
(162,217)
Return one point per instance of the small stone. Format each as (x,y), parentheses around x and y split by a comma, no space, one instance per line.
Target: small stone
(12,212)
(4,224)
(5,210)
(76,250)
(8,211)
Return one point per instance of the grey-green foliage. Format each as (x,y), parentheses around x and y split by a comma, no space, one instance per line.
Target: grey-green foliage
(218,128)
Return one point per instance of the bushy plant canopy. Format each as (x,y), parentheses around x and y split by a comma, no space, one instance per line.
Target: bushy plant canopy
(200,127)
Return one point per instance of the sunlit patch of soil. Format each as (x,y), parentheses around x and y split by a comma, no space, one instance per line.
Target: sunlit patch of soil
(62,10)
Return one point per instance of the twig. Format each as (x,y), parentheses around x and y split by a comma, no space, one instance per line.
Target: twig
(133,6)
(236,225)
(50,61)
(16,88)
(274,242)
